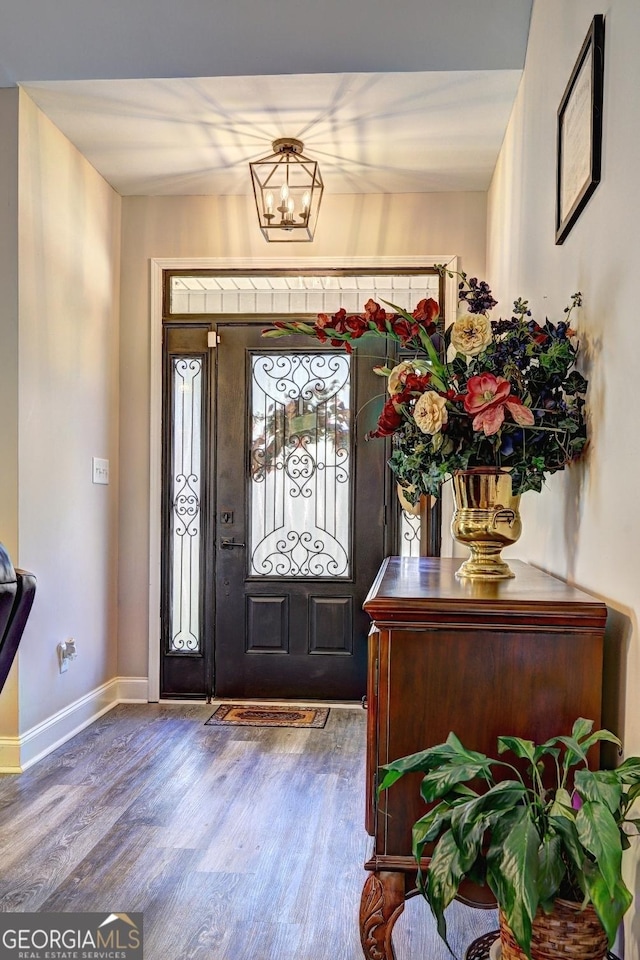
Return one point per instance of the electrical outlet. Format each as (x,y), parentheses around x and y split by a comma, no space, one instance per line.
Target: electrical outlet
(66,651)
(63,663)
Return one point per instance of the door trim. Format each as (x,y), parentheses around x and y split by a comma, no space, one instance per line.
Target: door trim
(156,267)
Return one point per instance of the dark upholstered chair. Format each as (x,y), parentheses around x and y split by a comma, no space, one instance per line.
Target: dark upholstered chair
(17,590)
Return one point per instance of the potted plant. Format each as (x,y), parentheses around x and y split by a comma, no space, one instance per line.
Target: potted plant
(546,833)
(497,405)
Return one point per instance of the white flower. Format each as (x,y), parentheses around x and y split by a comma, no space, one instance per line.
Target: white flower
(430,412)
(396,377)
(471,333)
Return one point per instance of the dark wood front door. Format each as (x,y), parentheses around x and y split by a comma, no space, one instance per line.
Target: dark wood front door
(299,518)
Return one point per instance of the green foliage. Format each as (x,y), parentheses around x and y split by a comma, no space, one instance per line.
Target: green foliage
(529,841)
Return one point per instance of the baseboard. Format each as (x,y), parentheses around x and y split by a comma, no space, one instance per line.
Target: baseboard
(133,690)
(19,753)
(10,755)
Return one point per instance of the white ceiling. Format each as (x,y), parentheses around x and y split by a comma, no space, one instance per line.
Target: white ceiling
(176,98)
(371,133)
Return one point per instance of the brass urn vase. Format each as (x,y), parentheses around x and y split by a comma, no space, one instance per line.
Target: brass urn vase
(486,518)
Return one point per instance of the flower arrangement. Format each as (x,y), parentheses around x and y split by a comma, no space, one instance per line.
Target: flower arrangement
(549,829)
(483,393)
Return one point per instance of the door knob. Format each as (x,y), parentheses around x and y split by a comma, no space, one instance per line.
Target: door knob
(228,544)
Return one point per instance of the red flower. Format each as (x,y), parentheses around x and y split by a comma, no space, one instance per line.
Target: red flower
(388,422)
(322,321)
(423,315)
(374,313)
(486,399)
(485,391)
(413,383)
(403,329)
(454,397)
(354,326)
(426,312)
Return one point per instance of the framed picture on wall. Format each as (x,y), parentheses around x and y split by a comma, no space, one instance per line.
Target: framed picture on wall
(579,152)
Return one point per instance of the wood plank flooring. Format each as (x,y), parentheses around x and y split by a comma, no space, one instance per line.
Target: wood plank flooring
(237,843)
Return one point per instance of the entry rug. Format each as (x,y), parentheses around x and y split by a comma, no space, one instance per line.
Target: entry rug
(249,715)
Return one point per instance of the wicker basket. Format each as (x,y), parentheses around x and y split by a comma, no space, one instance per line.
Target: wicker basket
(567,933)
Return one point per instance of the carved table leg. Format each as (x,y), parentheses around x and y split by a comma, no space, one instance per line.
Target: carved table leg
(381,904)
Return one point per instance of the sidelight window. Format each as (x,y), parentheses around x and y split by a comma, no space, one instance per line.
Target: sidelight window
(186,519)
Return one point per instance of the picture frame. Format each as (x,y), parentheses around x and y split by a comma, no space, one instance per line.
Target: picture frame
(579,137)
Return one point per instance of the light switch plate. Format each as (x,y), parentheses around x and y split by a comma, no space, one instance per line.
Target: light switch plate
(100,470)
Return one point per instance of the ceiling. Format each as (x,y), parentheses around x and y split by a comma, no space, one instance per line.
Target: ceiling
(168,99)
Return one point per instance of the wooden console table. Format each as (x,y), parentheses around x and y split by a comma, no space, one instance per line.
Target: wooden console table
(520,657)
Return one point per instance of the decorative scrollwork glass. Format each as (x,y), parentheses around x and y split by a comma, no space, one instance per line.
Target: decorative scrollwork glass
(409,534)
(300,467)
(185,512)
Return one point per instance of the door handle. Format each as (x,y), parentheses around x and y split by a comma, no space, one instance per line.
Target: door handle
(227,544)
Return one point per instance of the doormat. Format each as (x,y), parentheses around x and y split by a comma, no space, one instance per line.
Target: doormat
(249,715)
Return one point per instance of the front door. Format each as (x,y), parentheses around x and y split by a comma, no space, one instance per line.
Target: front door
(299,518)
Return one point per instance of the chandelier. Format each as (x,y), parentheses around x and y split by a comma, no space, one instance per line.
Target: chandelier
(288,188)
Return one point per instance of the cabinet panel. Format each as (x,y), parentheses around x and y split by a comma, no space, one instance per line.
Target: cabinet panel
(372,733)
(480,684)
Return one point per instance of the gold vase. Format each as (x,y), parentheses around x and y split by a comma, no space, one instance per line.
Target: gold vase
(486,519)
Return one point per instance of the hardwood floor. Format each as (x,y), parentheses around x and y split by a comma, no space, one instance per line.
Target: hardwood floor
(236,843)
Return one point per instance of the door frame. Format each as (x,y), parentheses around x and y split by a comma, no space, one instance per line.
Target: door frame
(156,268)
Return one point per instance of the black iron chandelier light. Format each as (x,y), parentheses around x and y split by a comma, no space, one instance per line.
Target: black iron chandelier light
(288,188)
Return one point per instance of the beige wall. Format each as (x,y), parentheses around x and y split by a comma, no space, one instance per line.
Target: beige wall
(585,526)
(68,412)
(9,318)
(192,227)
(9,364)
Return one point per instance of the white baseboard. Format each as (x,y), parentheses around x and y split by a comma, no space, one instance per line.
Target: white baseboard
(10,755)
(19,753)
(133,690)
